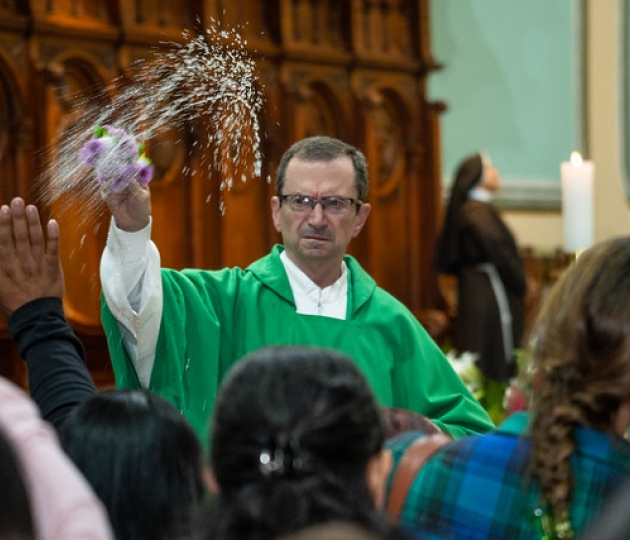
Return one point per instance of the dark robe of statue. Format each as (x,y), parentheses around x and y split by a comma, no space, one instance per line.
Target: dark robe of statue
(477,247)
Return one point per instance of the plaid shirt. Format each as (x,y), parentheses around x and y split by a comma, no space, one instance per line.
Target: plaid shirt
(477,487)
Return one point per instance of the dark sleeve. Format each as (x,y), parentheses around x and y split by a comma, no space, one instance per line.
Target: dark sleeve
(496,244)
(58,376)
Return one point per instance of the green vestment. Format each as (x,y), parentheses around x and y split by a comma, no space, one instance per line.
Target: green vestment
(211,319)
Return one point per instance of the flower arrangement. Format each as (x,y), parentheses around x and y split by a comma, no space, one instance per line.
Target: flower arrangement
(469,373)
(499,399)
(518,395)
(116,158)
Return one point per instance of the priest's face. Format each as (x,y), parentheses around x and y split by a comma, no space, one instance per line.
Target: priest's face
(316,238)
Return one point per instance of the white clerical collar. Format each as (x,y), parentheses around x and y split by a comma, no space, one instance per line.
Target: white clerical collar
(331,301)
(480,194)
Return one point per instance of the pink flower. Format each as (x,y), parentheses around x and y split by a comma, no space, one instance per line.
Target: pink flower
(515,400)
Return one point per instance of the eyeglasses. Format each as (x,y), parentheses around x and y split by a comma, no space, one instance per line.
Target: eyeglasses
(334,204)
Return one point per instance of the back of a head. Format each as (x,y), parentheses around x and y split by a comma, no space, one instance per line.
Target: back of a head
(293,431)
(469,173)
(142,459)
(582,337)
(16,521)
(582,358)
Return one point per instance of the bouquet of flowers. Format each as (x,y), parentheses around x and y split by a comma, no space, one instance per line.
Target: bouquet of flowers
(116,158)
(518,395)
(499,399)
(465,366)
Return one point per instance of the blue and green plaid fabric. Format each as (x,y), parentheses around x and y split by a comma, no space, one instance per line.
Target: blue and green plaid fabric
(477,487)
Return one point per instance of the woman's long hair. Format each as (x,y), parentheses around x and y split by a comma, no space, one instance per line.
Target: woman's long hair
(582,358)
(141,457)
(293,432)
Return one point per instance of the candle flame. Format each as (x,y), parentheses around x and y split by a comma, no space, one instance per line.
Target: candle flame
(576,159)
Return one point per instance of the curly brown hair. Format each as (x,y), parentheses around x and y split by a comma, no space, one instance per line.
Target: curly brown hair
(581,354)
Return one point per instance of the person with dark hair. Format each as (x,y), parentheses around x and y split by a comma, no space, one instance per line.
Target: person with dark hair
(139,454)
(297,440)
(478,248)
(142,459)
(178,332)
(547,473)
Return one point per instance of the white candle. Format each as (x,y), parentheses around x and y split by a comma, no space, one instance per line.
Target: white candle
(577,202)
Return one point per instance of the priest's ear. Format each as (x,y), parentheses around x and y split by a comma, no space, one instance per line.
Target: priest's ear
(362,215)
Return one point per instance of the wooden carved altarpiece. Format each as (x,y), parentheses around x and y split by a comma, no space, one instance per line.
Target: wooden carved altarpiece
(354,69)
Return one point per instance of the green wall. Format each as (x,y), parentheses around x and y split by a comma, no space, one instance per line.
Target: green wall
(512,81)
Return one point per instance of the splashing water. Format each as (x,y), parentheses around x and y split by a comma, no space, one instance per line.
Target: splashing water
(204,88)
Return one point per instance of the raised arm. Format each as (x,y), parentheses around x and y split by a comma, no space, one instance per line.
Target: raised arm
(31,291)
(30,266)
(131,281)
(130,208)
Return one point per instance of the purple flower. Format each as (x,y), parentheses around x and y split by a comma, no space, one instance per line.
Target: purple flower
(127,148)
(116,158)
(123,177)
(114,131)
(145,171)
(92,150)
(108,167)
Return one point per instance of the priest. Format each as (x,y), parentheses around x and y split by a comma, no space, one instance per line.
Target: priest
(178,332)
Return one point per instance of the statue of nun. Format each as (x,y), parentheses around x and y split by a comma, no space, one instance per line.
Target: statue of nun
(478,248)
